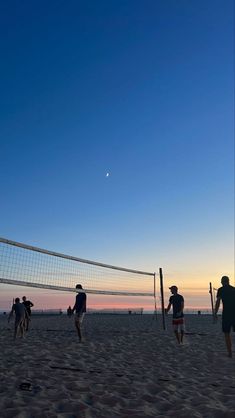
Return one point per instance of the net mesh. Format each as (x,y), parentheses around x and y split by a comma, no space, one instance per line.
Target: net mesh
(30,266)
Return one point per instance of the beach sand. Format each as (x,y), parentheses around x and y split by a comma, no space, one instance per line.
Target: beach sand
(126,367)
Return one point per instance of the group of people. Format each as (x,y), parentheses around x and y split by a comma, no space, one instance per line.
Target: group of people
(22,311)
(226,294)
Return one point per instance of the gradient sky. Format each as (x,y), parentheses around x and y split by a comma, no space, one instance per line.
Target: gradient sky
(142,90)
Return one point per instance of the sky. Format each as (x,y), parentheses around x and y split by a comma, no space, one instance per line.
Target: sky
(142,91)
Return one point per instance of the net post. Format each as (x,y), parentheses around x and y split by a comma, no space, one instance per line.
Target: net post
(212,302)
(154,295)
(162,299)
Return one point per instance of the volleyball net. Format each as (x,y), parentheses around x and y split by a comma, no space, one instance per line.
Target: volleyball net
(21,264)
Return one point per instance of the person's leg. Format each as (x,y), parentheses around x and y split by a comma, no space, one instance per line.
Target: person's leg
(177,336)
(78,326)
(78,330)
(15,331)
(17,323)
(182,330)
(26,324)
(23,325)
(228,342)
(176,329)
(226,328)
(22,328)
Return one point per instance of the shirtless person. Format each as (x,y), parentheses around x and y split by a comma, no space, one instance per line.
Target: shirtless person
(20,315)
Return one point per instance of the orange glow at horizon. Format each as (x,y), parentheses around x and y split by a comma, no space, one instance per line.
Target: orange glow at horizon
(59,300)
(195,291)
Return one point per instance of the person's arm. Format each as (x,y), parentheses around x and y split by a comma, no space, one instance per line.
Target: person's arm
(217,304)
(31,304)
(168,308)
(26,314)
(11,313)
(73,309)
(182,306)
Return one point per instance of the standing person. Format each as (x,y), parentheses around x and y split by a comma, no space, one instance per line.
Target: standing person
(20,316)
(69,311)
(28,305)
(226,293)
(80,309)
(177,301)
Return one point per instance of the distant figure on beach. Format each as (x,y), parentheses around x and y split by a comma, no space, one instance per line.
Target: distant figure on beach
(226,293)
(69,311)
(80,309)
(28,305)
(177,301)
(20,315)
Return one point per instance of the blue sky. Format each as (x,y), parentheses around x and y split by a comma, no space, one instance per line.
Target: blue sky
(143,90)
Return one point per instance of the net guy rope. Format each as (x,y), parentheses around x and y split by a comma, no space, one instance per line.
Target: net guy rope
(25,265)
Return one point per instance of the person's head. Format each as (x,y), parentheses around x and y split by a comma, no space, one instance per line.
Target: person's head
(24,298)
(173,289)
(79,286)
(17,300)
(225,280)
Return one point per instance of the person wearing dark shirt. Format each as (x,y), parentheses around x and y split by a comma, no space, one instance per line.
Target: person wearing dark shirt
(20,315)
(226,293)
(177,301)
(80,309)
(69,311)
(28,305)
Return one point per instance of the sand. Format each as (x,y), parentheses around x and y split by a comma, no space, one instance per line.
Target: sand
(126,367)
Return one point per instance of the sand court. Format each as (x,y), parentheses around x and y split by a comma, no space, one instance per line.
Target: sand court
(127,366)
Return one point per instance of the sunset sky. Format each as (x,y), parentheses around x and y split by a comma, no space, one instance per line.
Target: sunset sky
(142,90)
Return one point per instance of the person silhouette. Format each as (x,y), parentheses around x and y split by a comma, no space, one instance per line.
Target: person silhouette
(80,309)
(177,301)
(226,293)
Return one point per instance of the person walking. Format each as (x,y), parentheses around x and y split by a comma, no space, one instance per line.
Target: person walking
(226,293)
(80,309)
(177,301)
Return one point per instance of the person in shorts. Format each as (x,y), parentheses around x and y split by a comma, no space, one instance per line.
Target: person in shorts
(226,293)
(28,305)
(20,315)
(177,301)
(80,309)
